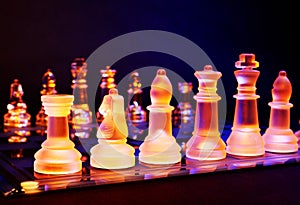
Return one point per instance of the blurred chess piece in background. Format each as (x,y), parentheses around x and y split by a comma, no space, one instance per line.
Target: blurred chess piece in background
(136,114)
(80,117)
(16,120)
(48,88)
(107,83)
(183,114)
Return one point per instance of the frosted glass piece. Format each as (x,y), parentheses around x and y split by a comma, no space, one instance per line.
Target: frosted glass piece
(159,146)
(206,144)
(58,154)
(279,138)
(245,138)
(112,151)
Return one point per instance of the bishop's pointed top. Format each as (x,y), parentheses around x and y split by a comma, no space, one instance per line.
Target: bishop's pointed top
(161,89)
(282,88)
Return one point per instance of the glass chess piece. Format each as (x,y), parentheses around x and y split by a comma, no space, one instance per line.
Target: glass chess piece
(80,117)
(136,115)
(48,88)
(107,83)
(160,146)
(16,120)
(57,154)
(245,138)
(183,114)
(206,143)
(278,137)
(112,151)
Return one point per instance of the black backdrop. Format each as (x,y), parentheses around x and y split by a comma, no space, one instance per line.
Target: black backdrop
(36,35)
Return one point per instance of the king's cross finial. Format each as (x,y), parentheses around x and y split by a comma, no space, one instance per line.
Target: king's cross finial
(247,60)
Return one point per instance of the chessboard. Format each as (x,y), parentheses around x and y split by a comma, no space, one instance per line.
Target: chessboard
(17,159)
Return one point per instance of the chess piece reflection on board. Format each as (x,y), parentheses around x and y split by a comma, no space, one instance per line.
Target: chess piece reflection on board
(160,146)
(112,151)
(245,138)
(107,83)
(136,115)
(57,154)
(80,117)
(279,138)
(48,88)
(206,143)
(16,120)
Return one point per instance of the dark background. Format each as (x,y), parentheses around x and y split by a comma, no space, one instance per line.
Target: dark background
(36,35)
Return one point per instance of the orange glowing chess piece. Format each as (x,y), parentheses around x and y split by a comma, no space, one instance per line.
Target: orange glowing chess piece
(159,146)
(245,138)
(279,138)
(206,143)
(17,118)
(112,151)
(48,88)
(58,154)
(107,83)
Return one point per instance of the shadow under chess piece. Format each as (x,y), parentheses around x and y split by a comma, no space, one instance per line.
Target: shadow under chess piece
(80,117)
(206,143)
(245,138)
(48,88)
(279,138)
(160,147)
(17,119)
(58,154)
(112,151)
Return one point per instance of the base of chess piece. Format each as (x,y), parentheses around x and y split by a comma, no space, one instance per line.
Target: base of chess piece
(57,161)
(250,144)
(280,141)
(206,148)
(166,157)
(160,147)
(112,154)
